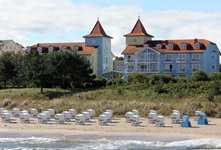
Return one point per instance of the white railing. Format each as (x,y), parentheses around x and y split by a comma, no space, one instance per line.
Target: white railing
(181,70)
(168,60)
(148,70)
(167,70)
(181,60)
(195,60)
(148,60)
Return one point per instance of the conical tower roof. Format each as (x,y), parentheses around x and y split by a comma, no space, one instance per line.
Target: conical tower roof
(138,30)
(97,31)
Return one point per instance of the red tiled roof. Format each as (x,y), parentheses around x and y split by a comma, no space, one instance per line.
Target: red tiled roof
(138,30)
(177,46)
(83,50)
(97,31)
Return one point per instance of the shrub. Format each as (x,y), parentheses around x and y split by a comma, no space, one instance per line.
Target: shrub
(199,76)
(138,78)
(215,76)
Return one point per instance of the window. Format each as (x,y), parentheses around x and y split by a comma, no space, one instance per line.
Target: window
(7,47)
(10,47)
(106,60)
(168,57)
(213,67)
(153,56)
(153,67)
(92,59)
(130,68)
(168,68)
(181,68)
(170,46)
(14,48)
(183,46)
(195,67)
(76,48)
(159,46)
(213,56)
(107,47)
(181,57)
(197,46)
(195,57)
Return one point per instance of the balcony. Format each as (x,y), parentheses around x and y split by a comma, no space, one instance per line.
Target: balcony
(130,70)
(168,60)
(148,70)
(182,71)
(195,60)
(130,60)
(167,71)
(148,60)
(181,60)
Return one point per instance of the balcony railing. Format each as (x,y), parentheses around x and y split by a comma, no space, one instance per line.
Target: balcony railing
(130,60)
(167,70)
(168,60)
(181,70)
(130,70)
(195,60)
(181,60)
(148,60)
(148,70)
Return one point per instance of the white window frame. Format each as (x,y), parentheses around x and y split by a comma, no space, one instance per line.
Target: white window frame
(159,46)
(181,57)
(167,57)
(197,46)
(213,66)
(181,67)
(183,46)
(195,57)
(153,67)
(170,46)
(92,59)
(195,67)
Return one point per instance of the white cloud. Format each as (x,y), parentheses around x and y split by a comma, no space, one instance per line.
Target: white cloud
(20,19)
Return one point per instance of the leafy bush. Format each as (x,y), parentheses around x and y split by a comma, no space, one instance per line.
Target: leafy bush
(199,76)
(215,76)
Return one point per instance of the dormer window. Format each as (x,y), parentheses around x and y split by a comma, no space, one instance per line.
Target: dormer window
(76,48)
(170,46)
(159,46)
(39,49)
(197,46)
(50,49)
(183,46)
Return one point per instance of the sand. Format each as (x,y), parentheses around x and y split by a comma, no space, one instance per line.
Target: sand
(118,127)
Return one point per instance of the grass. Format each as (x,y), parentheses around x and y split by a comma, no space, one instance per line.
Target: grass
(103,99)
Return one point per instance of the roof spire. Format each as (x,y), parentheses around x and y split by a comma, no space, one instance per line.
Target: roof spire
(138,29)
(97,31)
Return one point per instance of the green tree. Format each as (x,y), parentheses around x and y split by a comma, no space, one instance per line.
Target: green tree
(69,69)
(7,67)
(37,69)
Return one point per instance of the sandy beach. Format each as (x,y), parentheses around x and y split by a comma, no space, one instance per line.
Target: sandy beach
(118,127)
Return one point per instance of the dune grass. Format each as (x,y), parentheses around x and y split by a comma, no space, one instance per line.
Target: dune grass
(103,99)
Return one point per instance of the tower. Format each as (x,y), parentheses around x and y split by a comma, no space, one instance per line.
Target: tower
(138,35)
(98,38)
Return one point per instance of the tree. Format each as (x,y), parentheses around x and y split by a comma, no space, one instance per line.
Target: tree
(37,69)
(69,69)
(7,67)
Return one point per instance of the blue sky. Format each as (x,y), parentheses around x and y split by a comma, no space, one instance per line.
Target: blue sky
(29,21)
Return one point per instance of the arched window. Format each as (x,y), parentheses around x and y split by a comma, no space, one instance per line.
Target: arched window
(75,47)
(197,46)
(183,46)
(50,49)
(170,46)
(159,46)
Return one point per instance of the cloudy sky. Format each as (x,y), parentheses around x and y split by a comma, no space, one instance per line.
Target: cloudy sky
(35,21)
